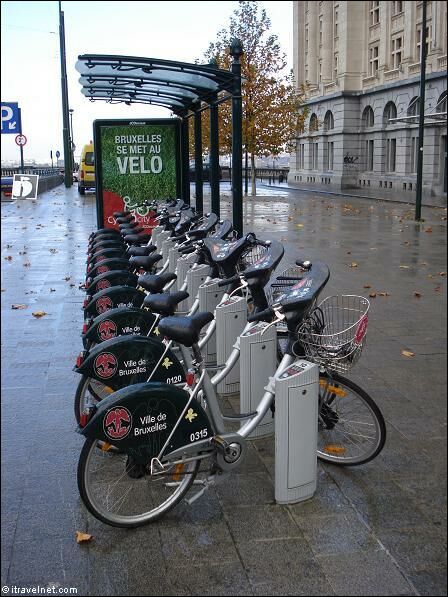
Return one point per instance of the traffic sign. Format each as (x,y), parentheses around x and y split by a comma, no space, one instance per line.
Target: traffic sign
(10,118)
(21,140)
(58,154)
(25,186)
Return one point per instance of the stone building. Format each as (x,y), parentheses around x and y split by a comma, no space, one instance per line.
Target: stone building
(361,63)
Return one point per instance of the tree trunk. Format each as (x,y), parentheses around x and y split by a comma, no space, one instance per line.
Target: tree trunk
(253,178)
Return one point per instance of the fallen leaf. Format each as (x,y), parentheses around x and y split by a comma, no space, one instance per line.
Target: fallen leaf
(289,218)
(8,258)
(428,229)
(71,285)
(53,250)
(372,294)
(384,294)
(27,264)
(52,289)
(353,264)
(407,353)
(19,306)
(9,246)
(405,267)
(299,225)
(39,313)
(437,288)
(22,252)
(417,294)
(442,273)
(349,252)
(67,278)
(367,286)
(82,537)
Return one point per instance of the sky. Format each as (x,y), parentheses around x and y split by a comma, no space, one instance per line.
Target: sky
(30,58)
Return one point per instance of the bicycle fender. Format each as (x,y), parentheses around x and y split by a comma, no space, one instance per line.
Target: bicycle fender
(103,254)
(140,419)
(110,298)
(106,266)
(127,360)
(112,278)
(121,321)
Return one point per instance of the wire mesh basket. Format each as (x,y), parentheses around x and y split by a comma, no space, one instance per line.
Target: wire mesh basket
(284,282)
(334,333)
(250,256)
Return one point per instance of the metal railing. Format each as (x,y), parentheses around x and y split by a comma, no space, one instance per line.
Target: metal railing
(31,170)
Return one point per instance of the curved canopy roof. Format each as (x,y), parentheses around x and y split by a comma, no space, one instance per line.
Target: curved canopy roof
(178,86)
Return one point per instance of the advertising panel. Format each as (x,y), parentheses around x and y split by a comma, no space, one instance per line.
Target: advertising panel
(135,161)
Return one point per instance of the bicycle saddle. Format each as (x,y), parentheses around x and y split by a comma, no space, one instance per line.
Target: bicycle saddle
(207,226)
(185,330)
(145,263)
(225,254)
(165,303)
(144,251)
(155,283)
(137,239)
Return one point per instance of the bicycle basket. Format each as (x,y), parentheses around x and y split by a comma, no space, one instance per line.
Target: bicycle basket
(284,282)
(334,333)
(250,256)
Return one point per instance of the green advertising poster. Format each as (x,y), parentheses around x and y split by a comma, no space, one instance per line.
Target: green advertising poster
(135,161)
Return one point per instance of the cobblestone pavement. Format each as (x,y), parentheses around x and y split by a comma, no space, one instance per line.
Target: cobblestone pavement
(379,529)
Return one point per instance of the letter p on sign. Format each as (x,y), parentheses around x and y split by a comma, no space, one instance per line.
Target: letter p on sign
(10,118)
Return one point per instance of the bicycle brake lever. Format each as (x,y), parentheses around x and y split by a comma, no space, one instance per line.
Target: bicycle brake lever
(244,284)
(279,317)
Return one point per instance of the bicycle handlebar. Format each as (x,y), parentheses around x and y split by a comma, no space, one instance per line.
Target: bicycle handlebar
(229,281)
(265,315)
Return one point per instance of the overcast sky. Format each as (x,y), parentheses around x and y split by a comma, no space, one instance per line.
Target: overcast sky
(30,59)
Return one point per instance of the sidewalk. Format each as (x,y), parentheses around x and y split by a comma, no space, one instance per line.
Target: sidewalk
(379,529)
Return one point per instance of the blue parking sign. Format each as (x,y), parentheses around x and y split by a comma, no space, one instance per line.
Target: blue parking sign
(10,118)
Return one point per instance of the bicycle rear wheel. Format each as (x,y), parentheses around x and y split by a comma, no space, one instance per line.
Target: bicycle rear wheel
(122,493)
(351,428)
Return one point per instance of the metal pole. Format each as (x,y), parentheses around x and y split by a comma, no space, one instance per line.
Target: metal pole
(185,161)
(72,144)
(236,50)
(198,161)
(22,168)
(214,158)
(421,120)
(68,177)
(246,180)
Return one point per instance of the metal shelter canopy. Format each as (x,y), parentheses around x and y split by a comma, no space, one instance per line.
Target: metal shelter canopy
(178,86)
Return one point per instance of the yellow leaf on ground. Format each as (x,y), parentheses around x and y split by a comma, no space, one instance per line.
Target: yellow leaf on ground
(353,264)
(405,266)
(372,294)
(39,313)
(19,306)
(81,537)
(407,353)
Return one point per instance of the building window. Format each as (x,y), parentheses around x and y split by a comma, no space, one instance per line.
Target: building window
(336,21)
(328,121)
(314,124)
(320,30)
(373,60)
(320,71)
(306,40)
(396,52)
(390,111)
(329,156)
(302,156)
(391,153)
(335,66)
(368,118)
(414,155)
(397,8)
(441,104)
(369,145)
(419,41)
(313,155)
(414,107)
(374,12)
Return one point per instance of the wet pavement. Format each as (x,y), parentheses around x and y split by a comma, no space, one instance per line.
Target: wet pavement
(379,529)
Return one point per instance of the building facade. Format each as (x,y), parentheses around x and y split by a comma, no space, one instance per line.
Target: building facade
(360,61)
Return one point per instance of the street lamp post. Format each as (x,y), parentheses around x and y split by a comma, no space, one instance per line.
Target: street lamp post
(72,144)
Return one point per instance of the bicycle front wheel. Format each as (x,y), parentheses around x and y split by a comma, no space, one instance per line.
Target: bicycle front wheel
(122,493)
(351,428)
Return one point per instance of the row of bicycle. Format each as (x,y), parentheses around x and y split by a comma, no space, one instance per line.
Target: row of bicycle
(168,317)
